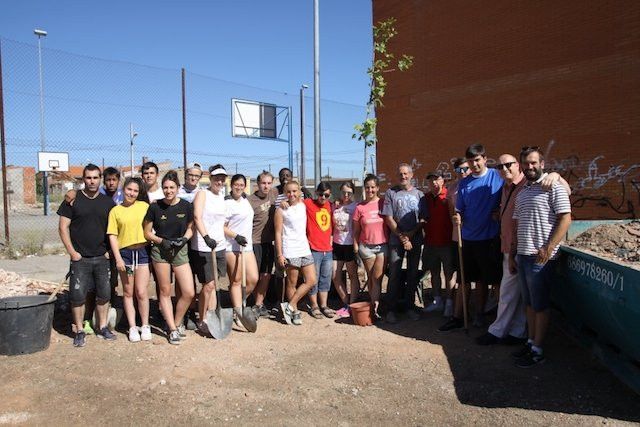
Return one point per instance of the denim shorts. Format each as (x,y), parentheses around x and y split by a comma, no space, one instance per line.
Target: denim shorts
(535,281)
(90,274)
(324,271)
(369,251)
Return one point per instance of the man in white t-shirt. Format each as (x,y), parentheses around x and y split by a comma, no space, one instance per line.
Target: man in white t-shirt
(190,187)
(149,173)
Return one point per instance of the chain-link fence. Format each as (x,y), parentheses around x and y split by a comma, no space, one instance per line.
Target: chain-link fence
(88,107)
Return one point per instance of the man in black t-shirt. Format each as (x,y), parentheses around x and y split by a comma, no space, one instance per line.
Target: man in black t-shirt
(82,227)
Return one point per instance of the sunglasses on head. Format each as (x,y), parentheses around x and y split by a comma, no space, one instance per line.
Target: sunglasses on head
(505,165)
(462,169)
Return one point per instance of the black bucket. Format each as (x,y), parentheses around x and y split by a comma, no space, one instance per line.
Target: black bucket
(25,324)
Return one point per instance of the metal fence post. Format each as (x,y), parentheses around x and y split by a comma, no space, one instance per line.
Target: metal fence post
(3,144)
(184,123)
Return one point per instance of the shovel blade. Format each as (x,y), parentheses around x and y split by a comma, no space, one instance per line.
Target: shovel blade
(219,322)
(248,320)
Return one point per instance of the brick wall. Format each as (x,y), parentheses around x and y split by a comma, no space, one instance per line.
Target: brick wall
(561,75)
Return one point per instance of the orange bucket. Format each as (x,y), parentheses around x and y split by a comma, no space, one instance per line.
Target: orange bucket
(361,313)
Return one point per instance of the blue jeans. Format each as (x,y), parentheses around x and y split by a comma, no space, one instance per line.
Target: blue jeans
(396,283)
(324,270)
(535,281)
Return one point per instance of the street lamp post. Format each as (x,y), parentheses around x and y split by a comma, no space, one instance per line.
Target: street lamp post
(317,150)
(302,174)
(45,186)
(132,135)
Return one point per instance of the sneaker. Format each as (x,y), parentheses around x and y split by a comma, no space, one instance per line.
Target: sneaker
(182,330)
(413,315)
(487,339)
(436,305)
(511,340)
(452,324)
(260,311)
(86,327)
(80,340)
(174,337)
(145,333)
(448,308)
(204,329)
(391,317)
(287,312)
(134,334)
(296,318)
(106,334)
(530,360)
(344,312)
(526,348)
(190,321)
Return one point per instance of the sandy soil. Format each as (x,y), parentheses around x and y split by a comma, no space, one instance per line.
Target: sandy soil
(618,241)
(324,372)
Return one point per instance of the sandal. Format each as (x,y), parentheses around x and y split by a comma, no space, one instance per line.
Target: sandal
(328,312)
(296,318)
(315,313)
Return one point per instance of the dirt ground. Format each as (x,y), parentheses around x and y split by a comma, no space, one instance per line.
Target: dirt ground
(323,372)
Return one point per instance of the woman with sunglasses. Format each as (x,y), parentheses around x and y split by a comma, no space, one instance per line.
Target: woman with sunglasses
(293,253)
(238,229)
(343,254)
(168,225)
(370,237)
(128,245)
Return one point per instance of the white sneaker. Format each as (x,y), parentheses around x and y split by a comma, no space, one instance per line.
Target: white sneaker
(112,318)
(448,308)
(134,334)
(436,305)
(145,333)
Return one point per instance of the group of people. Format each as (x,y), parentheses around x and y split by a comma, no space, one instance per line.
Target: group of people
(505,222)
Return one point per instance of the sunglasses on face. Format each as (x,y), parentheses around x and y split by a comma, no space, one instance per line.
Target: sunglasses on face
(462,169)
(506,165)
(347,193)
(324,195)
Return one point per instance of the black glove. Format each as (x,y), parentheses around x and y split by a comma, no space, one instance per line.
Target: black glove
(241,240)
(210,242)
(166,244)
(179,242)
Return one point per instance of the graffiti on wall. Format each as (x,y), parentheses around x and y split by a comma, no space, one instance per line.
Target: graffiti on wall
(593,181)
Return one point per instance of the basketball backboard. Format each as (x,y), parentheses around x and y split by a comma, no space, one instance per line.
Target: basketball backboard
(53,162)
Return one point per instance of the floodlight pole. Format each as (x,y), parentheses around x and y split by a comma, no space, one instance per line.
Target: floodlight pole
(290,113)
(45,185)
(132,136)
(302,171)
(317,167)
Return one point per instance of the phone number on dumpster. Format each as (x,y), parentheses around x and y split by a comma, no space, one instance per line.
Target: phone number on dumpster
(613,280)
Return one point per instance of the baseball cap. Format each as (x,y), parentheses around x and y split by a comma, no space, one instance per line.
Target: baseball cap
(434,174)
(194,165)
(218,171)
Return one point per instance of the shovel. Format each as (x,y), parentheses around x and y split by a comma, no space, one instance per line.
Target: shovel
(220,320)
(248,318)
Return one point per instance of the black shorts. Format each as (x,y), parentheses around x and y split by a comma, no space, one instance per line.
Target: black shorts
(202,265)
(482,261)
(343,253)
(265,255)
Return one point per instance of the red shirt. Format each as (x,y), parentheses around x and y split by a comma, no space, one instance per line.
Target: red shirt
(319,223)
(438,228)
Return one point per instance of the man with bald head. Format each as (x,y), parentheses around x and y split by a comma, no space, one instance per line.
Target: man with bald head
(510,324)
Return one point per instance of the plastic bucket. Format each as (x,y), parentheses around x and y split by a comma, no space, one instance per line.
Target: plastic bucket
(25,324)
(361,313)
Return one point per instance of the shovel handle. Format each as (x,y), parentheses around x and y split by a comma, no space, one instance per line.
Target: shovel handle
(462,281)
(57,288)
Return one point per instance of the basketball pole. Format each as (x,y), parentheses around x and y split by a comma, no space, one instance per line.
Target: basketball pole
(317,169)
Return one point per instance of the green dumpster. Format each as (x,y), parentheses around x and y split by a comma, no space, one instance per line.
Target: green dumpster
(600,299)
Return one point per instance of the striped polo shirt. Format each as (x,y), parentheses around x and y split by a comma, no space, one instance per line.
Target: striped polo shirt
(537,213)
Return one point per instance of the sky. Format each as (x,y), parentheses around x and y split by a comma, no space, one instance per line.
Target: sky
(110,63)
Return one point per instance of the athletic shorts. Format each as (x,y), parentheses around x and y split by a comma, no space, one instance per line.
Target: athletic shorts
(134,257)
(300,262)
(369,251)
(173,256)
(265,254)
(433,257)
(343,253)
(90,274)
(202,265)
(482,261)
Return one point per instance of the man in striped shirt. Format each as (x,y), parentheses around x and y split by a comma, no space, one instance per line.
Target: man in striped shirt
(543,218)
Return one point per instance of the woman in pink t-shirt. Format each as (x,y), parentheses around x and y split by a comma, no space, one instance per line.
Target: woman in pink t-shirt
(370,237)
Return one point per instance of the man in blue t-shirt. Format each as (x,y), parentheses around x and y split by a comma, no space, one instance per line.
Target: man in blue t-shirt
(477,209)
(400,210)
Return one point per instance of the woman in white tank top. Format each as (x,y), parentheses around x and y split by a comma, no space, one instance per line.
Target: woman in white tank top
(209,212)
(293,252)
(238,230)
